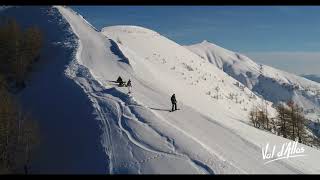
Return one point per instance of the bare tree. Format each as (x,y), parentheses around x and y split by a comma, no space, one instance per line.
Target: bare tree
(283,119)
(18,134)
(18,50)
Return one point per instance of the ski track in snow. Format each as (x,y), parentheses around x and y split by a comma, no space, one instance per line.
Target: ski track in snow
(121,105)
(121,117)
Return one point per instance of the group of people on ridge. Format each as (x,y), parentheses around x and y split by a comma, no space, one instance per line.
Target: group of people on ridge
(122,83)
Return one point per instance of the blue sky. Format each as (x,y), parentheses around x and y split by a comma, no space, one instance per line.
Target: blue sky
(286,37)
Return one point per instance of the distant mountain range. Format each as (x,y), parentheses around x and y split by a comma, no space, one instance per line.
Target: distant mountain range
(312,77)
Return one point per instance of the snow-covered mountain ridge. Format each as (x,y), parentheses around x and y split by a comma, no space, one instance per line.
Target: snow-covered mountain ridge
(272,84)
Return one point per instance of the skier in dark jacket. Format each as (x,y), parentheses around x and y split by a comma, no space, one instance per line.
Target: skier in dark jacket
(120,81)
(129,86)
(174,102)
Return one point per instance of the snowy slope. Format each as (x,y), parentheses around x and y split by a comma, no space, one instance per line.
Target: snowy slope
(177,70)
(140,135)
(273,84)
(163,57)
(90,125)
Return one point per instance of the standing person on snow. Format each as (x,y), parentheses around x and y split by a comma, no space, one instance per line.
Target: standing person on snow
(120,81)
(174,102)
(129,86)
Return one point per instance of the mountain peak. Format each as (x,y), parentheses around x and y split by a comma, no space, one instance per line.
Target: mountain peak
(205,42)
